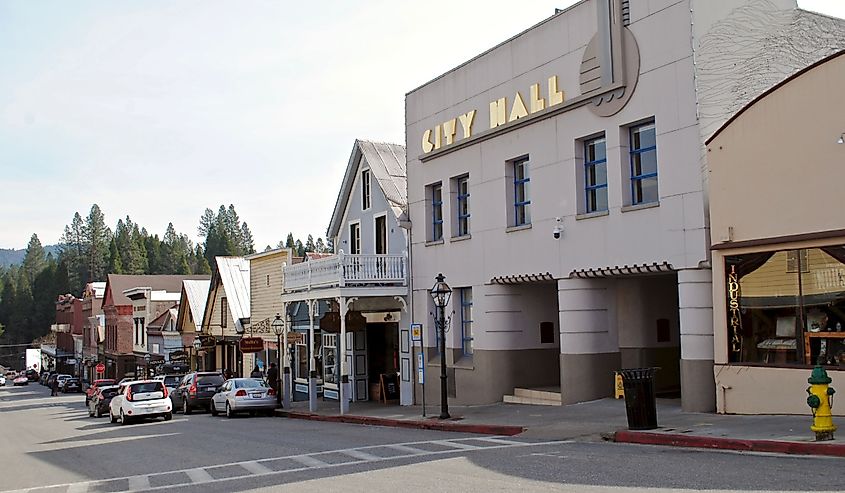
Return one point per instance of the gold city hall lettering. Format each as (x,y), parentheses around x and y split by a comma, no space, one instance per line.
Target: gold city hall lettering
(446,132)
(434,138)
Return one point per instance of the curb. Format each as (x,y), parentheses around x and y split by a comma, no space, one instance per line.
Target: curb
(748,445)
(481,429)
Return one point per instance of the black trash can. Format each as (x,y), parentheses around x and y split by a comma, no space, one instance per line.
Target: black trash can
(640,402)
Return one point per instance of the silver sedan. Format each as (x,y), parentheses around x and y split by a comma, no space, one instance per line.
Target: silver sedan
(238,395)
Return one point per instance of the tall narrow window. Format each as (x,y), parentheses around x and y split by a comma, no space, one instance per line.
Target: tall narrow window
(643,164)
(463,205)
(365,189)
(595,175)
(436,212)
(466,320)
(521,200)
(355,238)
(224,312)
(381,235)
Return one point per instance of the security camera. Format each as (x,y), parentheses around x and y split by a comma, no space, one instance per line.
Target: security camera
(558,229)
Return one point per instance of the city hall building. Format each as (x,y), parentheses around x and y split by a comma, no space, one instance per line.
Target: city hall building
(559,182)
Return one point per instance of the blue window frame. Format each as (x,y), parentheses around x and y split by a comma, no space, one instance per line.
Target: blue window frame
(521,200)
(643,164)
(436,212)
(595,175)
(463,205)
(466,321)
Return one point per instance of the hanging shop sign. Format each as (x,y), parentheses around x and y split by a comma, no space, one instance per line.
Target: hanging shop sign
(733,310)
(251,344)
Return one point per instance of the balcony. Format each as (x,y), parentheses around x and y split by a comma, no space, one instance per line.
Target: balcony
(343,271)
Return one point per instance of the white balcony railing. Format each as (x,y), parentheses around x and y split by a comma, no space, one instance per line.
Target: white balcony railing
(344,270)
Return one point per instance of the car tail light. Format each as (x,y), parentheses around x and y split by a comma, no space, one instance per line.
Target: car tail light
(193,388)
(240,393)
(271,391)
(165,392)
(129,394)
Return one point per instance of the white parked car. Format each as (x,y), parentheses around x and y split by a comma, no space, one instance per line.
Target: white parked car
(140,399)
(2,380)
(241,395)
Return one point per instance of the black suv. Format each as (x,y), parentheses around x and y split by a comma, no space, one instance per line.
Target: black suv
(196,390)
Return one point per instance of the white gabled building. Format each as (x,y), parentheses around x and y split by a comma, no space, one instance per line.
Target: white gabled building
(365,334)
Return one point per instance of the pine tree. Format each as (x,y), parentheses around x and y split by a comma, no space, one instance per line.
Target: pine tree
(247,243)
(72,248)
(309,244)
(299,249)
(290,243)
(115,266)
(319,247)
(34,260)
(97,237)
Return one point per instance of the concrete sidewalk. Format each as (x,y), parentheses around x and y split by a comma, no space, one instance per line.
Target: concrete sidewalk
(603,419)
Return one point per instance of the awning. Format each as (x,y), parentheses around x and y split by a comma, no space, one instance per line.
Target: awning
(523,278)
(625,270)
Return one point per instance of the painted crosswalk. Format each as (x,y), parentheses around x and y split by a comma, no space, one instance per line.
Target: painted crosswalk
(288,464)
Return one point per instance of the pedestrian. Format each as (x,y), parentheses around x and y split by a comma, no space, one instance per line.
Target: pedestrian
(54,387)
(273,380)
(227,373)
(256,373)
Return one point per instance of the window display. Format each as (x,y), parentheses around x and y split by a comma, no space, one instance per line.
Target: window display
(787,307)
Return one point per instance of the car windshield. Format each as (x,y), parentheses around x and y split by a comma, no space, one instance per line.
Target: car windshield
(101,382)
(249,384)
(172,380)
(109,393)
(72,380)
(209,379)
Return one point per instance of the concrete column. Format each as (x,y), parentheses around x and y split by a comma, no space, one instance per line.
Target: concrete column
(695,304)
(589,341)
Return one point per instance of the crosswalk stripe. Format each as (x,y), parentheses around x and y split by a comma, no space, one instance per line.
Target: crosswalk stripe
(307,460)
(361,455)
(78,488)
(138,483)
(199,475)
(256,468)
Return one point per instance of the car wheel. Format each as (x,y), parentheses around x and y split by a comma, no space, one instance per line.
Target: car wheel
(229,413)
(213,409)
(123,419)
(168,416)
(186,409)
(111,417)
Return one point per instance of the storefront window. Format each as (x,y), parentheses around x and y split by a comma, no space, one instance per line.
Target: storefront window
(787,307)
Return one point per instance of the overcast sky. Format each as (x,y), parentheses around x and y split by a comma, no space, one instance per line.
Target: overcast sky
(161,109)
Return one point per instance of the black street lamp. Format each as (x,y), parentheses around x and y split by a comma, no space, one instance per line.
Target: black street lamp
(147,359)
(278,327)
(441,293)
(197,345)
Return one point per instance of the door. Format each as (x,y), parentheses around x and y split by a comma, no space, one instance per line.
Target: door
(330,367)
(356,357)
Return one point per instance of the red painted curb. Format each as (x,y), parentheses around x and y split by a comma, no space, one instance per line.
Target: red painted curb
(480,429)
(773,446)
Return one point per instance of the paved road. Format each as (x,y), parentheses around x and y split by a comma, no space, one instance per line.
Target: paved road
(49,444)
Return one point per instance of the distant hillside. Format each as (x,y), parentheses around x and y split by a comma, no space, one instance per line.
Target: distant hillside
(15,257)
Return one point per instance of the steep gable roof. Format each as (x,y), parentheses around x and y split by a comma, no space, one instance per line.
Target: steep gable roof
(387,166)
(233,275)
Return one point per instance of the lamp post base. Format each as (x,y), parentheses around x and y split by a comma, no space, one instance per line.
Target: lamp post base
(312,392)
(286,391)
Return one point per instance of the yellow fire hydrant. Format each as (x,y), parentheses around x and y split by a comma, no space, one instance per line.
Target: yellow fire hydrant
(820,401)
